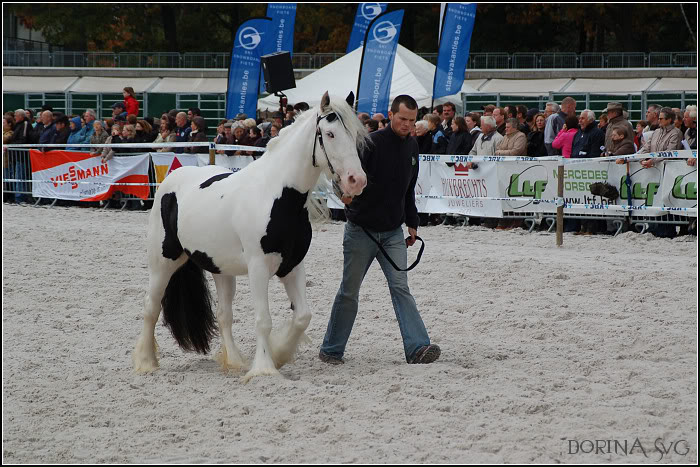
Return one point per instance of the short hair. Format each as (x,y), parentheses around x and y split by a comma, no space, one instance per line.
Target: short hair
(553,105)
(520,109)
(489,108)
(568,101)
(422,123)
(438,108)
(372,124)
(590,115)
(513,122)
(656,108)
(21,112)
(692,111)
(195,112)
(488,120)
(668,112)
(91,112)
(449,104)
(406,100)
(604,117)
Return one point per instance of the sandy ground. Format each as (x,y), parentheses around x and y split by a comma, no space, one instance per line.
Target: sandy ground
(543,349)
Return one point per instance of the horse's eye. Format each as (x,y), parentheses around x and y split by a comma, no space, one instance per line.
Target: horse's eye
(331,117)
(330,134)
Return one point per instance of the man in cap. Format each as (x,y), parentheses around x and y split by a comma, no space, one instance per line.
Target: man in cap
(616,121)
(118,109)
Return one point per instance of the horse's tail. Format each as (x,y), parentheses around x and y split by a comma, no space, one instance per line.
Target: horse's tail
(187,308)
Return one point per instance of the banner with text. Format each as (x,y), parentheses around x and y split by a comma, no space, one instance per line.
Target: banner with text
(245,69)
(80,176)
(377,66)
(366,12)
(453,53)
(281,39)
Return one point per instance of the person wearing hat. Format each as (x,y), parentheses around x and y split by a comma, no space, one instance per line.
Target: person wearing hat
(616,121)
(118,109)
(62,131)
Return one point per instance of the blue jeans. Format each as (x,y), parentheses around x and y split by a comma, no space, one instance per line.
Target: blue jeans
(359,252)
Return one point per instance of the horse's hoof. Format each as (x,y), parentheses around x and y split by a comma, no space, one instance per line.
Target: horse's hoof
(227,365)
(261,372)
(145,366)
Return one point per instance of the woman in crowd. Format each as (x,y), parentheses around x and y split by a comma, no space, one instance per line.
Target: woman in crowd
(639,134)
(437,136)
(99,136)
(535,139)
(166,135)
(132,105)
(565,138)
(198,135)
(461,141)
(77,134)
(473,121)
(114,138)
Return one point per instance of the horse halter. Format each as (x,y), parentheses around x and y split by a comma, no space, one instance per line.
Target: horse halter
(329,117)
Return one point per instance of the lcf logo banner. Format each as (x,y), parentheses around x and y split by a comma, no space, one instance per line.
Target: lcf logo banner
(377,65)
(244,72)
(366,12)
(453,53)
(281,37)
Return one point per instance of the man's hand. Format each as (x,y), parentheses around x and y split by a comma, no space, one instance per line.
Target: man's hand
(412,232)
(647,163)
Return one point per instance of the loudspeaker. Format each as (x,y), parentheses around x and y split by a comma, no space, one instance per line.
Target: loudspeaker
(278,72)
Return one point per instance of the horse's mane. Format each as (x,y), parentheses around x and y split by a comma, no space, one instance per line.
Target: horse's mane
(347,116)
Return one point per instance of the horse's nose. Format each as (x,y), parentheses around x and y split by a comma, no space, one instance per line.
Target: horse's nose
(356,183)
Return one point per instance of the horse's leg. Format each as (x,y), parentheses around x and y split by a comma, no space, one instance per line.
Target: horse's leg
(259,274)
(285,340)
(161,270)
(228,356)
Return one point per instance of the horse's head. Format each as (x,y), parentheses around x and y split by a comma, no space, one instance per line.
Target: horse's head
(343,138)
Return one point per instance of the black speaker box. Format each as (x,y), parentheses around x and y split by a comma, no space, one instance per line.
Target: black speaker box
(278,72)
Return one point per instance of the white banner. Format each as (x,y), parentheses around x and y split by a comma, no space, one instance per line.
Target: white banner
(234,163)
(679,188)
(79,176)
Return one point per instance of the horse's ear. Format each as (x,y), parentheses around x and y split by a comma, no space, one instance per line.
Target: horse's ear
(325,102)
(350,99)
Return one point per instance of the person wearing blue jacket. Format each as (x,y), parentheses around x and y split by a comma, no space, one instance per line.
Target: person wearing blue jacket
(77,135)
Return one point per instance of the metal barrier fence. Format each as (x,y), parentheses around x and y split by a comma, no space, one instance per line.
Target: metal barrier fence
(495,60)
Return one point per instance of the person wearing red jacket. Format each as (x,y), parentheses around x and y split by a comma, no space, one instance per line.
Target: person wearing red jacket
(132,105)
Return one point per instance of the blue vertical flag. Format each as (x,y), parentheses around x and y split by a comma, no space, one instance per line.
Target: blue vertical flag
(455,39)
(377,65)
(366,12)
(244,72)
(281,37)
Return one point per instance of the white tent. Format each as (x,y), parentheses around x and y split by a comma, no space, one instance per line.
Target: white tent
(413,75)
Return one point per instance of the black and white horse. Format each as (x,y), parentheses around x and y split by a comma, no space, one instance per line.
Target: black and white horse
(253,222)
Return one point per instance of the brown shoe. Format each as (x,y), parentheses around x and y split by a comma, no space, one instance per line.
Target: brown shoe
(426,354)
(331,360)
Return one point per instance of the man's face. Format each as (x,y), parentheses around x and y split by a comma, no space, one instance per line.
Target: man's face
(652,117)
(180,120)
(403,121)
(46,118)
(498,115)
(509,129)
(665,120)
(447,112)
(570,109)
(88,117)
(689,122)
(583,121)
(18,117)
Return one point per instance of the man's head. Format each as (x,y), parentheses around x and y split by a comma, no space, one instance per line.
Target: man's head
(511,126)
(378,117)
(499,115)
(421,127)
(181,119)
(403,113)
(618,135)
(448,111)
(653,114)
(586,118)
(118,108)
(437,110)
(666,117)
(613,110)
(90,116)
(568,106)
(488,110)
(488,124)
(690,116)
(46,117)
(363,116)
(61,123)
(20,115)
(550,108)
(193,112)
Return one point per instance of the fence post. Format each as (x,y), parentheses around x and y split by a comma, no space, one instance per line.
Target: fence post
(560,204)
(212,154)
